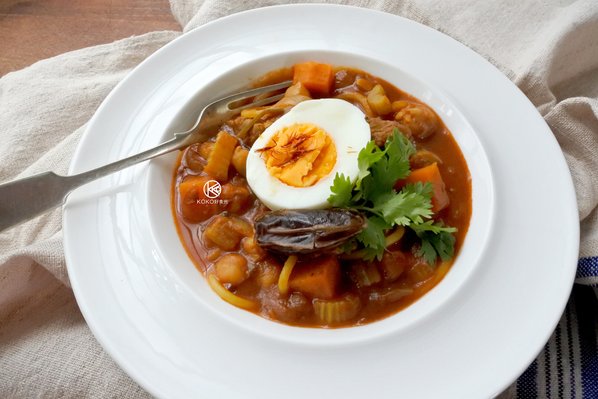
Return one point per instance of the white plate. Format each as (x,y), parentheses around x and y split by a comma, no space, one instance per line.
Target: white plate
(469,337)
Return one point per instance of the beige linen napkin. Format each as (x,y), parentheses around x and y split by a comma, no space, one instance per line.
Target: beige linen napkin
(549,49)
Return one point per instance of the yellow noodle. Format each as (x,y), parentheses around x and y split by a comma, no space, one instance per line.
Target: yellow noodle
(229,296)
(285,274)
(395,236)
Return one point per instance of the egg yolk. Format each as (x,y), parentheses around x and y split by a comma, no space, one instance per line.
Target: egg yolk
(300,154)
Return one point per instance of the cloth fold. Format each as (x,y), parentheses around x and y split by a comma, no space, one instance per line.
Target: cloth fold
(549,49)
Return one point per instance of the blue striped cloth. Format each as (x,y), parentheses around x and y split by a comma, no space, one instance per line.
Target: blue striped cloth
(568,365)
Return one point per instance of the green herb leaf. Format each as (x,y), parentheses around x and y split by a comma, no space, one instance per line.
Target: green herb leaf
(411,205)
(342,189)
(368,156)
(427,252)
(437,241)
(395,164)
(372,238)
(374,194)
(385,167)
(430,226)
(399,149)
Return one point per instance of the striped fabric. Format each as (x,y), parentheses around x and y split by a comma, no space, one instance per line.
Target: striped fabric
(587,271)
(568,365)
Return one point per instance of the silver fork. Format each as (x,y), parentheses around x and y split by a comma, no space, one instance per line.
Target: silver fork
(23,199)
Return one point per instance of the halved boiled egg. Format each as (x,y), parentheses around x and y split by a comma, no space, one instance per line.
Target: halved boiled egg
(293,163)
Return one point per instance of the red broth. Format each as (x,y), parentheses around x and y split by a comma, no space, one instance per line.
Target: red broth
(218,234)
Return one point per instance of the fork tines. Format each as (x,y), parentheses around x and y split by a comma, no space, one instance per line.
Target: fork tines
(237,101)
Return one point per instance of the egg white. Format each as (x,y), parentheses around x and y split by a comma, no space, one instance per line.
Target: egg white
(348,129)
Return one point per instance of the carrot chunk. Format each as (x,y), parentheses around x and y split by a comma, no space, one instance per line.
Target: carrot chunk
(431,174)
(316,77)
(318,278)
(220,157)
(194,204)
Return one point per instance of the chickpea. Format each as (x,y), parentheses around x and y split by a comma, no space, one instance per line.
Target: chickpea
(232,269)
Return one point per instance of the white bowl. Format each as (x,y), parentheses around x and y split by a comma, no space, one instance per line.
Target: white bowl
(172,251)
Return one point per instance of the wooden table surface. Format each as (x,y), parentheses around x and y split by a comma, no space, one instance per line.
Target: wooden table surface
(36,29)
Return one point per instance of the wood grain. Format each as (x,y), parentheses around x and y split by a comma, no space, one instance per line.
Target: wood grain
(37,29)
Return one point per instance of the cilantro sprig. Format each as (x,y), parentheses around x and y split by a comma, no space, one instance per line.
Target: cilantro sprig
(374,194)
(437,241)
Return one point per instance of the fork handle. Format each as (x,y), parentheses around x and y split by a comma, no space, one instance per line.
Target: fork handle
(26,198)
(23,199)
